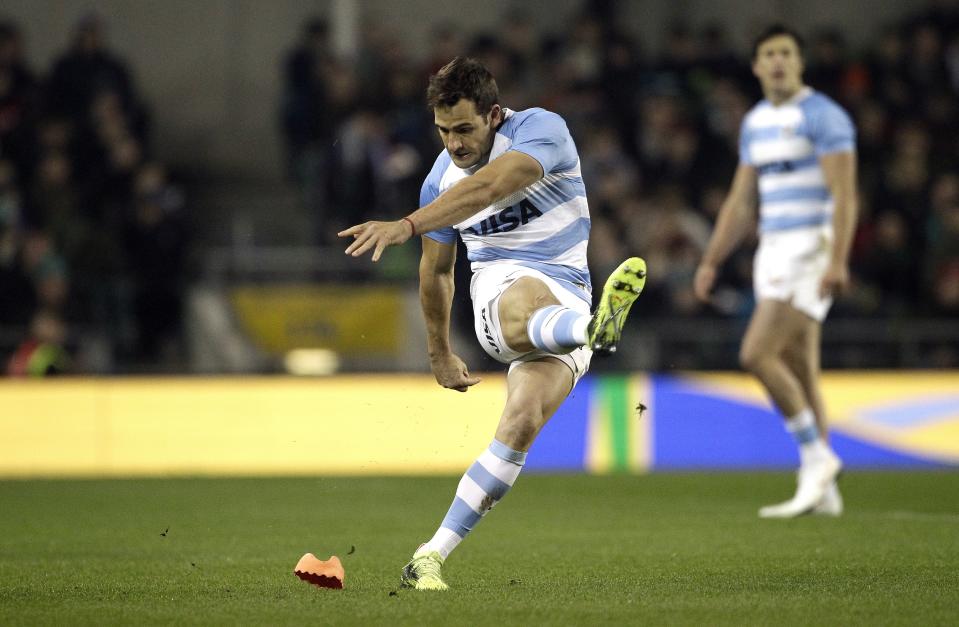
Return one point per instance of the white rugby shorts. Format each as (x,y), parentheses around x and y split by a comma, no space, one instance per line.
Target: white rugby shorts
(789,266)
(486,288)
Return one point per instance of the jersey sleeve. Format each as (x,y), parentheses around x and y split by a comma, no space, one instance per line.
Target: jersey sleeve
(429,193)
(831,129)
(545,137)
(744,143)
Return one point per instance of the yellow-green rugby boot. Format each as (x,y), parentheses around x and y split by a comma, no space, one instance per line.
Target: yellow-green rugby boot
(423,571)
(622,288)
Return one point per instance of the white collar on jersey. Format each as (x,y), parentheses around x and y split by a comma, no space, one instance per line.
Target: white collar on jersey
(507,113)
(804,91)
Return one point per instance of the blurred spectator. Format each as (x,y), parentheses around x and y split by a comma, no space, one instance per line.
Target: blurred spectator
(154,238)
(887,264)
(18,99)
(43,353)
(826,63)
(446,42)
(926,69)
(17,298)
(906,175)
(86,70)
(941,270)
(91,238)
(305,114)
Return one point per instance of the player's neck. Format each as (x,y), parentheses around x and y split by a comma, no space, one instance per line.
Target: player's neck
(781,96)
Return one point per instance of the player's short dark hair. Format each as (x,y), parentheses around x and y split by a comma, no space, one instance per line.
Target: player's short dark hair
(463,77)
(775,30)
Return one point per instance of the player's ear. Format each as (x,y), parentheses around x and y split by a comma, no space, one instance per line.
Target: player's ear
(495,115)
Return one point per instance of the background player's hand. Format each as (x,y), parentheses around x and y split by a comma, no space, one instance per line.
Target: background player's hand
(376,236)
(834,281)
(703,281)
(451,372)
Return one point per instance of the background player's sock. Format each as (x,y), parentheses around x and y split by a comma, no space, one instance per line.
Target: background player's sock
(812,447)
(484,484)
(557,329)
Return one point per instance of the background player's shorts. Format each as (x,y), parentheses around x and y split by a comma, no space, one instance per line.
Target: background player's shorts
(789,266)
(486,288)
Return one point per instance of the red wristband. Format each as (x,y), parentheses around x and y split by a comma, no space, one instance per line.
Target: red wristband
(412,227)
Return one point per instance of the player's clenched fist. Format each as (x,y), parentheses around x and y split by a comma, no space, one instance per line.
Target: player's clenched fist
(451,373)
(703,281)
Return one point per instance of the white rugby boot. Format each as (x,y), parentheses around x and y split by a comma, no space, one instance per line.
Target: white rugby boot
(831,503)
(815,478)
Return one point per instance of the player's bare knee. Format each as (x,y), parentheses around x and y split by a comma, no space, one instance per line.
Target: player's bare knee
(519,428)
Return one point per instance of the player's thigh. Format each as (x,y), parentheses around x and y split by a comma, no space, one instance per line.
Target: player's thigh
(774,324)
(535,390)
(517,304)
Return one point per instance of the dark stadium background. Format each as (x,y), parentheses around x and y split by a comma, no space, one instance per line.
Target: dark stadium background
(218,145)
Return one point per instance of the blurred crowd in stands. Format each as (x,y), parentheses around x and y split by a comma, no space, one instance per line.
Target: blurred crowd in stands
(92,244)
(657,135)
(93,237)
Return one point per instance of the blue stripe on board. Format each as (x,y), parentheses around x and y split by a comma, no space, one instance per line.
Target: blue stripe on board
(720,432)
(915,412)
(561,445)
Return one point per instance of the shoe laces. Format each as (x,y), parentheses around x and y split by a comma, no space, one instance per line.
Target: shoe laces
(613,317)
(427,566)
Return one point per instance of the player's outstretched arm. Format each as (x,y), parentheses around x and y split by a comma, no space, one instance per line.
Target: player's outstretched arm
(839,169)
(501,177)
(507,174)
(436,298)
(735,217)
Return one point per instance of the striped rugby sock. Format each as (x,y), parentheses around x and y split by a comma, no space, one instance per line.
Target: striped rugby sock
(805,432)
(484,484)
(557,329)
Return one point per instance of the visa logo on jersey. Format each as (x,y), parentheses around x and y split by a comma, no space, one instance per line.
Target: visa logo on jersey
(506,220)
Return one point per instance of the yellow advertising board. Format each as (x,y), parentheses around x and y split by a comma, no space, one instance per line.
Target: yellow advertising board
(349,320)
(407,424)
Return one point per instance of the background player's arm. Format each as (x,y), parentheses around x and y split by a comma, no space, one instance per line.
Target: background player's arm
(839,170)
(505,175)
(735,217)
(436,299)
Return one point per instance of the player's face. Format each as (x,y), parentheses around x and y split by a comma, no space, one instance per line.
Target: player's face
(467,135)
(778,66)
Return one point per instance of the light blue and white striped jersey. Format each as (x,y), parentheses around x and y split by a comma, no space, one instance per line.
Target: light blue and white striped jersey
(544,226)
(784,144)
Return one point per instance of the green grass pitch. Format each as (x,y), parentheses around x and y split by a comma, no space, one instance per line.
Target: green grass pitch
(559,550)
